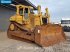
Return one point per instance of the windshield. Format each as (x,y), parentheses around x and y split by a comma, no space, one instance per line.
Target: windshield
(26,13)
(21,11)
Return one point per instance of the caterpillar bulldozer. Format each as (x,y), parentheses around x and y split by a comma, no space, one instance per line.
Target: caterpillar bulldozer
(35,27)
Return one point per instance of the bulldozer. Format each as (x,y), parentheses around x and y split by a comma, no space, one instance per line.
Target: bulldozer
(27,25)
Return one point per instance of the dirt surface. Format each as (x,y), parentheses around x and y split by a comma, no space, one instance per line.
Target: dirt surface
(11,45)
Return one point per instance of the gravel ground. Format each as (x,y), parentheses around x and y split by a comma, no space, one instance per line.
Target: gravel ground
(10,45)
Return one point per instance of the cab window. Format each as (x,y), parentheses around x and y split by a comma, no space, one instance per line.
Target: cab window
(26,13)
(21,11)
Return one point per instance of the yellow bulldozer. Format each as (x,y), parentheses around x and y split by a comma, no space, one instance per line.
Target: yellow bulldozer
(35,27)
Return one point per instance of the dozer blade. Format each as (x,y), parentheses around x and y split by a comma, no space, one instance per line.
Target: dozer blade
(44,35)
(49,34)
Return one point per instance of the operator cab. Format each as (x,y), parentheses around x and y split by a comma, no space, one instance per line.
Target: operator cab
(25,11)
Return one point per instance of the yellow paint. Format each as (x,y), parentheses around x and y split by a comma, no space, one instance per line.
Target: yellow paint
(39,9)
(47,15)
(37,20)
(33,19)
(19,19)
(12,27)
(13,18)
